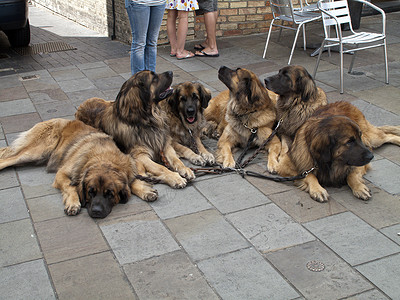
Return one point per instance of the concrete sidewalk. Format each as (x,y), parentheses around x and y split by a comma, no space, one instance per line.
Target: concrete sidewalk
(222,237)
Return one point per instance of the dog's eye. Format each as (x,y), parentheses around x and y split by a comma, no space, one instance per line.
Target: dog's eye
(92,192)
(183,99)
(351,141)
(109,193)
(195,96)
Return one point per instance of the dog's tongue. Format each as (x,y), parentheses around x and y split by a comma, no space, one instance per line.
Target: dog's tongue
(190,119)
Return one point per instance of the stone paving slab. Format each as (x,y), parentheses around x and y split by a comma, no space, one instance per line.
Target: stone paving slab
(231,193)
(269,228)
(63,238)
(377,115)
(168,276)
(138,237)
(336,280)
(393,232)
(244,274)
(352,239)
(35,181)
(16,107)
(48,96)
(384,274)
(18,243)
(46,207)
(205,234)
(12,205)
(28,280)
(385,174)
(18,123)
(8,178)
(103,280)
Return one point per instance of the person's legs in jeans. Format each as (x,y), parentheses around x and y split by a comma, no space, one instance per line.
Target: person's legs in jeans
(139,16)
(150,54)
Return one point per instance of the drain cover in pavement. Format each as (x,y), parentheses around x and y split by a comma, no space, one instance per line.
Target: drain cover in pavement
(48,47)
(315,266)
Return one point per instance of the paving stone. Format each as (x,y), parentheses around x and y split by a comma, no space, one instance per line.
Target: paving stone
(302,208)
(109,83)
(77,98)
(244,274)
(380,211)
(205,234)
(26,281)
(48,96)
(384,273)
(55,109)
(393,232)
(336,280)
(376,115)
(63,238)
(76,85)
(13,205)
(95,276)
(10,81)
(19,123)
(138,237)
(96,73)
(16,107)
(44,82)
(369,295)
(390,152)
(232,193)
(12,93)
(8,178)
(169,276)
(120,65)
(351,238)
(385,97)
(69,73)
(92,65)
(35,181)
(173,203)
(269,228)
(46,207)
(385,174)
(18,243)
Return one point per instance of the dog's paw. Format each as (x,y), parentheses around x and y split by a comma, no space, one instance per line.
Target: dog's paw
(362,192)
(151,196)
(209,158)
(272,167)
(320,194)
(198,161)
(72,209)
(187,173)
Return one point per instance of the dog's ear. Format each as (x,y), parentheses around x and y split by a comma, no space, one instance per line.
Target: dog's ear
(124,195)
(322,147)
(305,86)
(205,95)
(173,100)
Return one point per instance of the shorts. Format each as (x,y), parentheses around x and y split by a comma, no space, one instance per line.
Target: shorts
(206,6)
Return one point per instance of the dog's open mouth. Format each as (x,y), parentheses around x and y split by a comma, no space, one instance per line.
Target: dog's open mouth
(190,120)
(166,93)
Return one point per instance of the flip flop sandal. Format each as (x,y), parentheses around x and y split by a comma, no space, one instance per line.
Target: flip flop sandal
(199,47)
(189,55)
(204,54)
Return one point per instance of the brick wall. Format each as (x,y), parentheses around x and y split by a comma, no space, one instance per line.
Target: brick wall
(236,17)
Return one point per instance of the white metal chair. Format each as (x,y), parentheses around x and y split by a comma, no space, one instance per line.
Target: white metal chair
(335,13)
(282,10)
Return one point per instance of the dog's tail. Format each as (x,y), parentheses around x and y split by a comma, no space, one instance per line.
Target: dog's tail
(395,130)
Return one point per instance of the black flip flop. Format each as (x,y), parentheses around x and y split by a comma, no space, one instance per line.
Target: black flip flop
(199,47)
(205,54)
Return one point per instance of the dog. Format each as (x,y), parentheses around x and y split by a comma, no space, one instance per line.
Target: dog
(245,109)
(138,125)
(184,109)
(298,98)
(90,169)
(336,140)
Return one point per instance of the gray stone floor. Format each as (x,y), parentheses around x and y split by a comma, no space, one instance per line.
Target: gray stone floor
(222,237)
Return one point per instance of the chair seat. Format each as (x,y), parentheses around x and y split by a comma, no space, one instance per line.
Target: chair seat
(359,38)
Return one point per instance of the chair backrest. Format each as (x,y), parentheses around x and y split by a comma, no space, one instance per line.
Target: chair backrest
(334,13)
(281,7)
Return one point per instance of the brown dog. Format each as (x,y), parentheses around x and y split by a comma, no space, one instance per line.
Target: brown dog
(245,109)
(138,125)
(184,109)
(91,170)
(336,140)
(298,98)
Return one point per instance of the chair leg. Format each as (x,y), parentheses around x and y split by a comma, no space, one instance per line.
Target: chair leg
(321,49)
(294,43)
(280,31)
(386,62)
(352,61)
(304,37)
(268,37)
(341,68)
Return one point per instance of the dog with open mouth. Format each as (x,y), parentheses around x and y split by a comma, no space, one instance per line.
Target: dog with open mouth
(138,125)
(184,109)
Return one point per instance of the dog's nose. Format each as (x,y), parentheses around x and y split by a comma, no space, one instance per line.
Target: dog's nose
(97,211)
(190,110)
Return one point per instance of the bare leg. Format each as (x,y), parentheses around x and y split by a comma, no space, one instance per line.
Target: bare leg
(210,21)
(171,29)
(181,35)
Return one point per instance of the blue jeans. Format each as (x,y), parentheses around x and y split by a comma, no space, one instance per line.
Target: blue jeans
(145,26)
